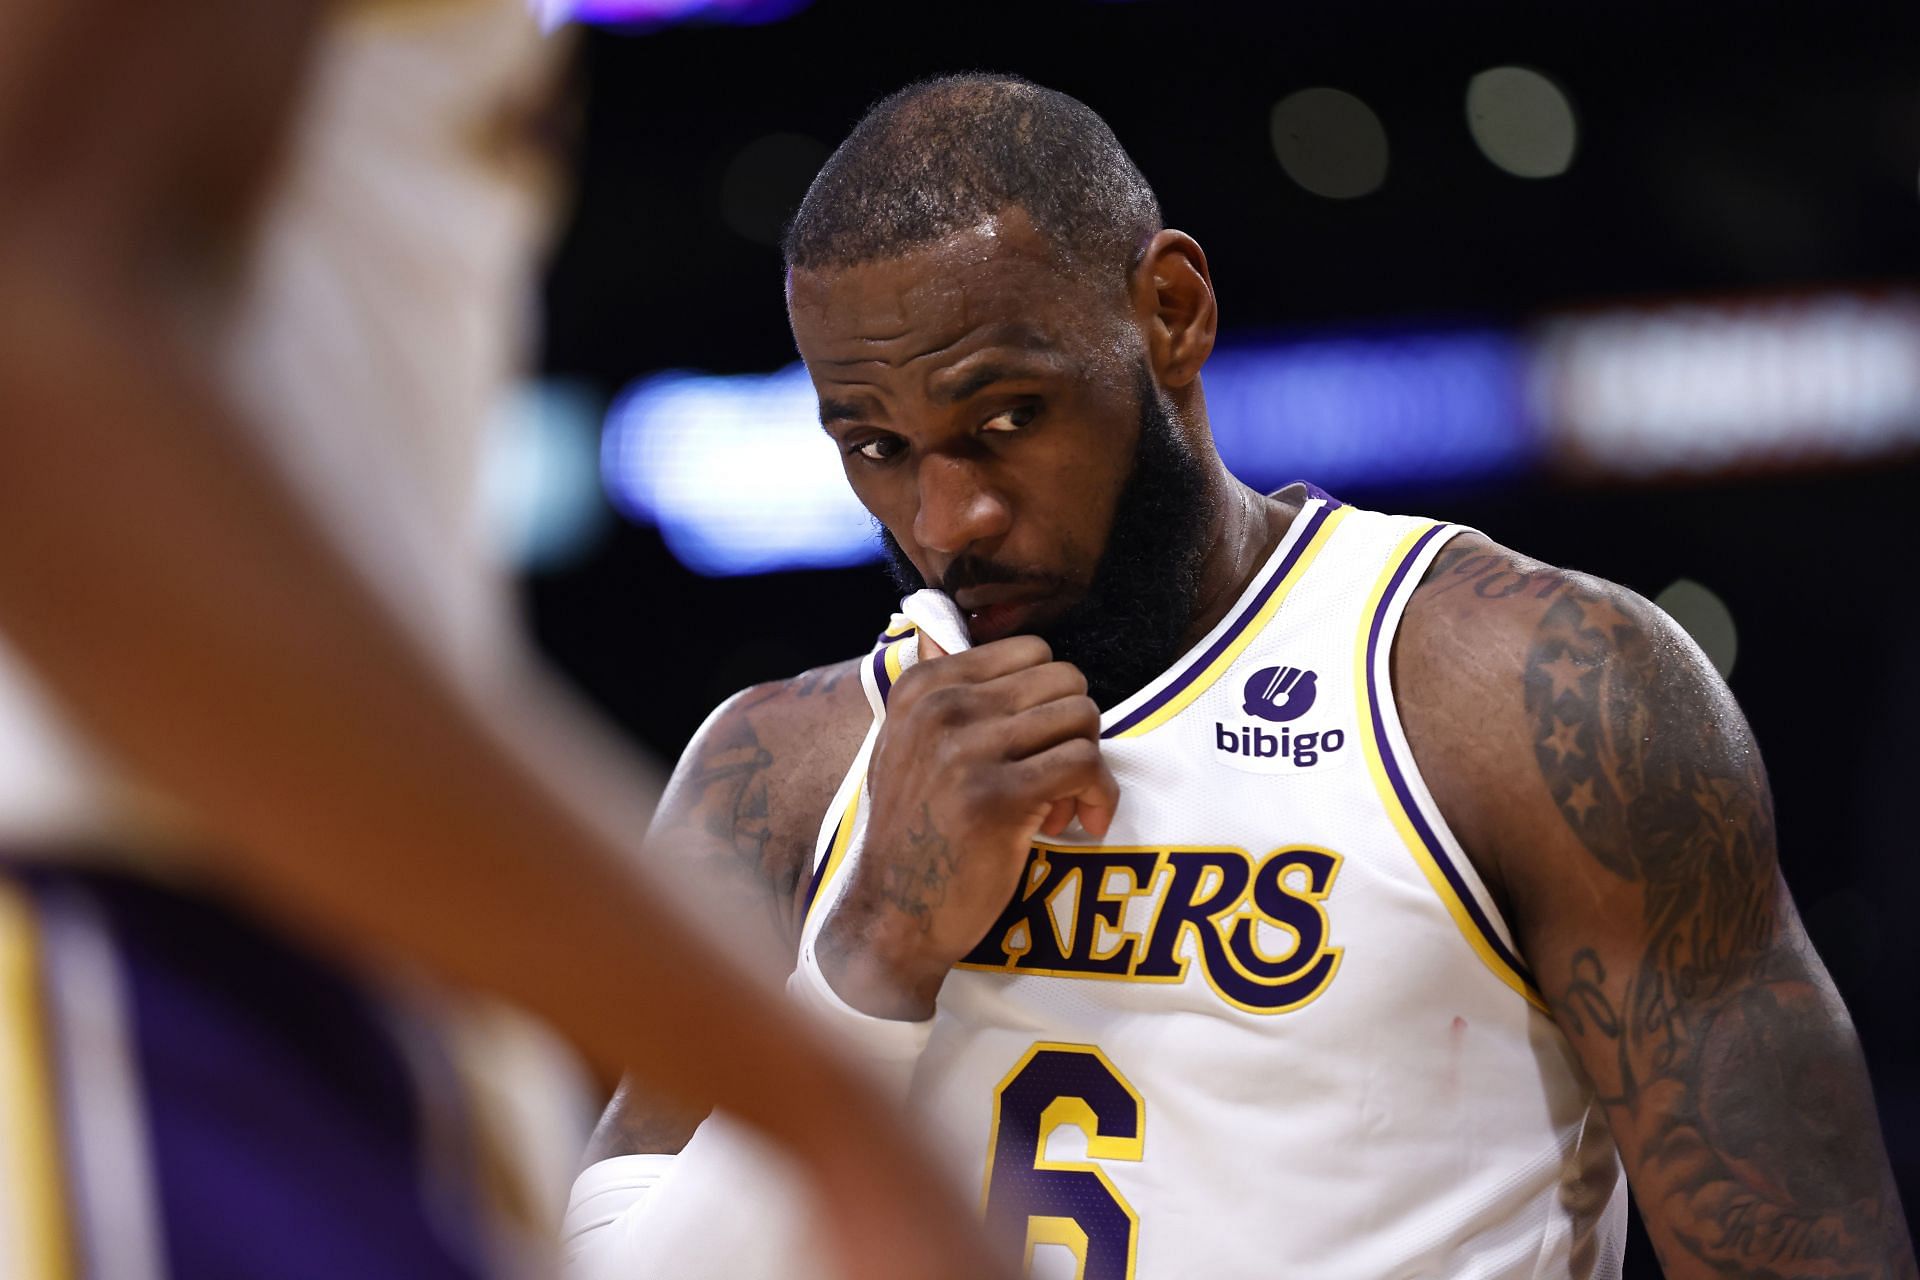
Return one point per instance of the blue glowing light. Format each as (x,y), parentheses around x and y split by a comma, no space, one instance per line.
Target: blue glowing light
(1375,410)
(736,473)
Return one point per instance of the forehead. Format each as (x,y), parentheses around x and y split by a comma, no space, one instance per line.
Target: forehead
(999,281)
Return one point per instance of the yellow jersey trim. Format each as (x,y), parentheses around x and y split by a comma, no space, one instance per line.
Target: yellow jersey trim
(893,659)
(842,840)
(1425,857)
(37,1239)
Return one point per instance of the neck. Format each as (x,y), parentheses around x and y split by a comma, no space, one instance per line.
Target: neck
(1246,527)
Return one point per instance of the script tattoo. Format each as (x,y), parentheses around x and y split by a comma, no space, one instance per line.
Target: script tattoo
(1723,1046)
(1490,574)
(916,884)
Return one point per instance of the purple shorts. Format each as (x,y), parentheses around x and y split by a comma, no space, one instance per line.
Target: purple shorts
(185,1092)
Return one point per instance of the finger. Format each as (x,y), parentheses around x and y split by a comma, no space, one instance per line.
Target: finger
(1075,770)
(930,648)
(1036,729)
(1095,811)
(975,666)
(1011,694)
(1058,816)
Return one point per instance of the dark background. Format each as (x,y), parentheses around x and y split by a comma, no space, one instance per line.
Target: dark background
(1723,149)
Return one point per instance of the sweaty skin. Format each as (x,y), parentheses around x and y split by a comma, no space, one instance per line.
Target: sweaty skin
(1599,774)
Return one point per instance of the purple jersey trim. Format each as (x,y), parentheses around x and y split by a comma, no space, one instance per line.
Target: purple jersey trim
(1315,491)
(881,680)
(820,869)
(1421,826)
(1199,665)
(282,1112)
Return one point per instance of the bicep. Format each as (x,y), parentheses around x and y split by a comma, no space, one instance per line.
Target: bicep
(720,839)
(1652,909)
(733,838)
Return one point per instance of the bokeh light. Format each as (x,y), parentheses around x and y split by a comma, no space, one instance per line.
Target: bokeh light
(1706,617)
(1330,142)
(765,181)
(1522,122)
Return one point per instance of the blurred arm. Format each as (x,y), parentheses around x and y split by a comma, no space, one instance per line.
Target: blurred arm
(169,589)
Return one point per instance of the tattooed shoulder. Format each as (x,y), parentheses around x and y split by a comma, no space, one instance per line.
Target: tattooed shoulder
(1588,754)
(749,792)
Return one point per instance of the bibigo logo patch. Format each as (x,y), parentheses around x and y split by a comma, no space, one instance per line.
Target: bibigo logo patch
(1274,736)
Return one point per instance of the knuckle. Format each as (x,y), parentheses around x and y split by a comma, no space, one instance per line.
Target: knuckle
(978,793)
(1032,650)
(945,706)
(1079,755)
(1070,676)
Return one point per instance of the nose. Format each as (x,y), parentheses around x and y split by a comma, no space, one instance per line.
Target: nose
(957,506)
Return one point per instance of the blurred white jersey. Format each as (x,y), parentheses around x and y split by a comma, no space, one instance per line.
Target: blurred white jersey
(1273,1025)
(380,315)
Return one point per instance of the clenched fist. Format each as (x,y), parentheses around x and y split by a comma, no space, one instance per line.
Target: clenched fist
(981,752)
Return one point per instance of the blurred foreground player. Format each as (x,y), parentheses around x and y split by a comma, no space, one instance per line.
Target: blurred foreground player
(1240,885)
(252,641)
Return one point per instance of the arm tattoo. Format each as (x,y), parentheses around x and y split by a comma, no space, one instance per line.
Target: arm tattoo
(727,781)
(818,681)
(916,885)
(1723,1045)
(913,885)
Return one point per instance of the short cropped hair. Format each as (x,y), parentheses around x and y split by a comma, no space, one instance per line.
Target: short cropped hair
(945,154)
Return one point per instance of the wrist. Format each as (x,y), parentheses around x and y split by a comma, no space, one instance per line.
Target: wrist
(880,965)
(887,1050)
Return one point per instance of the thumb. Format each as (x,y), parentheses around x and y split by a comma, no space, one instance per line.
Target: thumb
(929,649)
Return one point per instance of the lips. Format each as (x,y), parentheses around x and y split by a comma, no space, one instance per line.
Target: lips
(997,621)
(995,612)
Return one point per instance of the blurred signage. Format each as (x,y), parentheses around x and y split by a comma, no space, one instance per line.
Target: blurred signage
(1733,386)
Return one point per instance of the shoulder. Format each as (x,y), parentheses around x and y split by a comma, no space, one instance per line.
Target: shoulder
(748,794)
(1540,702)
(816,707)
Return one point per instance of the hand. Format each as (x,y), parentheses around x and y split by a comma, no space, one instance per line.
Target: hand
(981,752)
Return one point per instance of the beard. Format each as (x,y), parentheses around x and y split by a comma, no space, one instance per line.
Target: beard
(1133,620)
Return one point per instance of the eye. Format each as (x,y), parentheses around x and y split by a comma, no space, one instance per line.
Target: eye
(876,448)
(1014,419)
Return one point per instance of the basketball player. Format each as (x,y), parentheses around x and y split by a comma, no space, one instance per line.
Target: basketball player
(1239,885)
(252,643)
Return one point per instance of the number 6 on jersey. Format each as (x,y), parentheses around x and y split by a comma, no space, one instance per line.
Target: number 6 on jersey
(1065,1202)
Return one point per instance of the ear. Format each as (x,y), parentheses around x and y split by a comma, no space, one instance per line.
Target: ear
(1173,300)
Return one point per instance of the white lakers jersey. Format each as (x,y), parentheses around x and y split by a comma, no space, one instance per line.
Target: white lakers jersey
(1272,1025)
